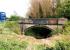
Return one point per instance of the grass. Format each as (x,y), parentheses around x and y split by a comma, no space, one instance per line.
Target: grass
(9,27)
(19,42)
(10,40)
(15,42)
(66,29)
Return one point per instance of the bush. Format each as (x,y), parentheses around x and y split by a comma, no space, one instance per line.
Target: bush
(9,27)
(13,26)
(62,45)
(14,18)
(65,9)
(2,24)
(59,45)
(56,31)
(66,29)
(12,43)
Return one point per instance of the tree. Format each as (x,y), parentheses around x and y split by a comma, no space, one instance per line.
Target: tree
(59,8)
(66,9)
(13,26)
(40,8)
(14,18)
(40,12)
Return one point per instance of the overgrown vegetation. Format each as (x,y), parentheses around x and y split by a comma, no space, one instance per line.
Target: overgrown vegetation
(10,38)
(63,8)
(45,8)
(11,42)
(66,9)
(10,27)
(66,29)
(14,42)
(13,26)
(40,9)
(14,18)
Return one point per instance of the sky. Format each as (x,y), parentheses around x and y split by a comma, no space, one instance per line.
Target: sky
(11,6)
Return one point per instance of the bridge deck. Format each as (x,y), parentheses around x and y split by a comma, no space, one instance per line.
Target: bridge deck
(43,21)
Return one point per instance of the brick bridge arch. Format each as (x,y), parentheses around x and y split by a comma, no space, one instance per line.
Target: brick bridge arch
(39,31)
(42,26)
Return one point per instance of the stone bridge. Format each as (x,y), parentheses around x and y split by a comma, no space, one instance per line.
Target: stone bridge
(50,23)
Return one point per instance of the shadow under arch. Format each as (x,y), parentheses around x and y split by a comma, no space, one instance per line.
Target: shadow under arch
(39,32)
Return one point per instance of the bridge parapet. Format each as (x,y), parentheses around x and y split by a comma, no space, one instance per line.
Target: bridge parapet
(52,23)
(44,21)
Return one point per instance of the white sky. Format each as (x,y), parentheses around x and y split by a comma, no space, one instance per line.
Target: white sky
(19,6)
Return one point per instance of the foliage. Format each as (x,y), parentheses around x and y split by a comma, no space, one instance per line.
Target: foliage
(62,45)
(10,27)
(14,18)
(39,47)
(2,24)
(56,31)
(63,8)
(59,8)
(40,9)
(12,43)
(4,30)
(66,9)
(13,26)
(45,8)
(66,29)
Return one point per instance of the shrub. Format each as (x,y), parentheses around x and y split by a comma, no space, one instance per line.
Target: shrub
(12,42)
(2,24)
(66,9)
(9,27)
(8,43)
(13,26)
(56,31)
(14,18)
(66,29)
(62,45)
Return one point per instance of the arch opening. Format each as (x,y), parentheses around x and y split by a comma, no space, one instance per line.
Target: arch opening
(38,32)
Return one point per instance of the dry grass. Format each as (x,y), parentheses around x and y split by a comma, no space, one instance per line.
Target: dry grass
(33,40)
(48,41)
